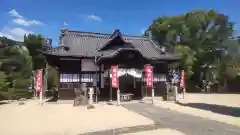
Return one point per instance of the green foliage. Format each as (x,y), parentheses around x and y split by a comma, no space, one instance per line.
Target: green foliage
(17,62)
(17,65)
(52,78)
(188,59)
(34,44)
(3,81)
(6,41)
(232,69)
(23,83)
(201,38)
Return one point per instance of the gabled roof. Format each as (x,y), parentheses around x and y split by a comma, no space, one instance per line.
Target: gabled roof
(116,34)
(89,44)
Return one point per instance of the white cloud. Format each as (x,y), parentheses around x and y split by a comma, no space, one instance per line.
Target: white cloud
(20,20)
(23,22)
(95,18)
(14,33)
(14,13)
(19,31)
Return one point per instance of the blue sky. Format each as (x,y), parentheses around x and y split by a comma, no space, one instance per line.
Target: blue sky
(47,17)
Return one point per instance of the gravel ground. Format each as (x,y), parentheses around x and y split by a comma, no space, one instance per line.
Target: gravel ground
(132,119)
(64,119)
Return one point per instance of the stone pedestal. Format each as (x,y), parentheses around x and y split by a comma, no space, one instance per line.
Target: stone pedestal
(80,101)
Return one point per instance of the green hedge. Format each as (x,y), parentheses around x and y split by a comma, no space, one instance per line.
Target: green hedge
(16,94)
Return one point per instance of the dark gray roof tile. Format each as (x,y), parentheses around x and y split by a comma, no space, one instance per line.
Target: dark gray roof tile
(88,44)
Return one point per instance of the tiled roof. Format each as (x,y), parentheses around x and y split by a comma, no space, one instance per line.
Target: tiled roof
(110,54)
(88,44)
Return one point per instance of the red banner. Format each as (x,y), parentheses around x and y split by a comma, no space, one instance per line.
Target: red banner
(38,79)
(182,83)
(114,76)
(149,76)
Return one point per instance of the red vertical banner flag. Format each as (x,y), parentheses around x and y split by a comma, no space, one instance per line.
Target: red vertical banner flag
(149,76)
(38,80)
(182,83)
(114,71)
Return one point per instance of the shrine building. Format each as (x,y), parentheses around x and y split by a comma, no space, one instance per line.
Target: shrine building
(87,57)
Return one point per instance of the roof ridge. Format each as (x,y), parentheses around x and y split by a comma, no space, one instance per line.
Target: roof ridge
(114,35)
(106,34)
(156,46)
(85,32)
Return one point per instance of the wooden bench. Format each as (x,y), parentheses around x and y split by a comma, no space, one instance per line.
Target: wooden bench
(126,97)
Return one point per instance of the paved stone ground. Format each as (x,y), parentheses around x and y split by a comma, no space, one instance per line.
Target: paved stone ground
(165,118)
(190,125)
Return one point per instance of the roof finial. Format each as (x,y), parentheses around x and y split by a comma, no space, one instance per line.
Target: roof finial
(64,30)
(65,25)
(117,32)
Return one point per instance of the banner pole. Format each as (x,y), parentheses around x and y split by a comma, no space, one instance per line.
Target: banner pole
(41,88)
(110,82)
(146,87)
(118,91)
(153,94)
(182,82)
(41,97)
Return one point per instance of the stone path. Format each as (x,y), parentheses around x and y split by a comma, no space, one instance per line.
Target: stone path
(208,109)
(187,124)
(171,123)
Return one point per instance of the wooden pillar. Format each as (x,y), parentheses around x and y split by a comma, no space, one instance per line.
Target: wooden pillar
(96,83)
(142,88)
(110,82)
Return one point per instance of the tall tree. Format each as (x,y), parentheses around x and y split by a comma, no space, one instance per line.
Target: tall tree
(6,41)
(34,43)
(16,64)
(52,78)
(198,36)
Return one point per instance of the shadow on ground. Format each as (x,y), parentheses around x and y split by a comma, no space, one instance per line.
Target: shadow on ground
(220,109)
(2,103)
(52,100)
